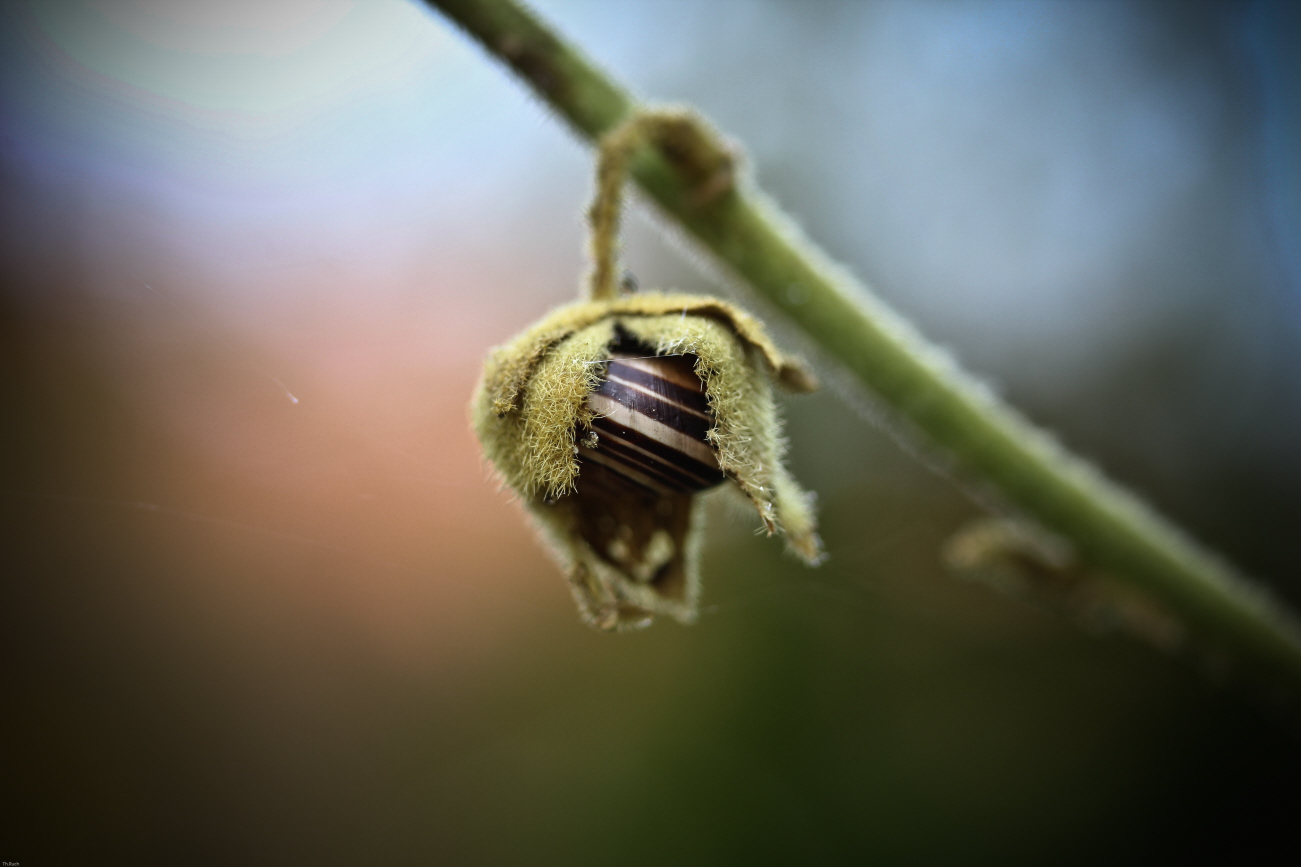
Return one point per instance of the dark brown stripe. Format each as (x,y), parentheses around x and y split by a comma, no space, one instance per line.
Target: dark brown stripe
(692,398)
(672,472)
(617,458)
(661,410)
(667,454)
(698,408)
(611,464)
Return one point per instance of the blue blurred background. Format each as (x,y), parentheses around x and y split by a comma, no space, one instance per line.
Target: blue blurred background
(262,603)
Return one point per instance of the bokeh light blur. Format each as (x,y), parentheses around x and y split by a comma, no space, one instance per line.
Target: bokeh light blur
(262,603)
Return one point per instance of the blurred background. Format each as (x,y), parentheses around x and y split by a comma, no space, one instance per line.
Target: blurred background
(262,604)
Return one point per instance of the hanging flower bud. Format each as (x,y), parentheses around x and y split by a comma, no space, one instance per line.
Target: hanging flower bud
(610,416)
(592,417)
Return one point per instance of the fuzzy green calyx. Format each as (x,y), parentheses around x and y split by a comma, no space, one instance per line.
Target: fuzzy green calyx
(629,544)
(630,553)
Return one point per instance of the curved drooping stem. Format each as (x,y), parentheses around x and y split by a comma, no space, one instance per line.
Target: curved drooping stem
(607,205)
(692,150)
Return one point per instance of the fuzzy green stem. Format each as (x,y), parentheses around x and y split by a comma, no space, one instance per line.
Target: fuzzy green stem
(694,154)
(607,206)
(1110,529)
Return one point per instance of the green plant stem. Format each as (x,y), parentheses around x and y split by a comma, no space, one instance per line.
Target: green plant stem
(1109,528)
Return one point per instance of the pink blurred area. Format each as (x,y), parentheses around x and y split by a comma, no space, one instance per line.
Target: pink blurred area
(344,440)
(292,290)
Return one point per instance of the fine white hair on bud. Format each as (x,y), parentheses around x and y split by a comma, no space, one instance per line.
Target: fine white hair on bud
(609,442)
